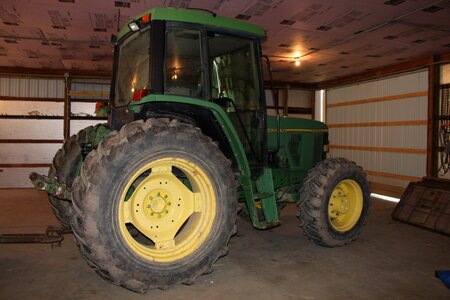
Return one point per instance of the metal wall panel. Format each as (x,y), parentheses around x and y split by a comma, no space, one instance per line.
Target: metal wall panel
(94,86)
(30,107)
(296,98)
(402,84)
(28,153)
(18,177)
(78,108)
(13,154)
(31,87)
(401,137)
(31,129)
(77,125)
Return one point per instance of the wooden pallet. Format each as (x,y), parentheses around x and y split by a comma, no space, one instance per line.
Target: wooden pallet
(426,204)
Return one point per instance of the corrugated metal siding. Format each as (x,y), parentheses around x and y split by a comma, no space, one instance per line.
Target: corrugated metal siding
(27,107)
(27,153)
(97,86)
(31,87)
(18,177)
(402,136)
(31,129)
(13,154)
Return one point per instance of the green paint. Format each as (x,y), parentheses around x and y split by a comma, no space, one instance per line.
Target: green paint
(197,17)
(218,113)
(264,185)
(301,147)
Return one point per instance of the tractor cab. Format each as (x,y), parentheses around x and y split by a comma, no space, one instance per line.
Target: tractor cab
(168,53)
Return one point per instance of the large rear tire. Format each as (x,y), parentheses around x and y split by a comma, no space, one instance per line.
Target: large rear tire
(65,168)
(154,205)
(334,202)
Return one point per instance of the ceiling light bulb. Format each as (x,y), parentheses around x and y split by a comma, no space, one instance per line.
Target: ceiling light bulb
(297,54)
(297,63)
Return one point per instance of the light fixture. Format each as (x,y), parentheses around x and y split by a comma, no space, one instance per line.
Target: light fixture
(133,26)
(174,77)
(297,58)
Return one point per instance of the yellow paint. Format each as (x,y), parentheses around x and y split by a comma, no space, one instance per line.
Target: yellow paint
(176,219)
(345,205)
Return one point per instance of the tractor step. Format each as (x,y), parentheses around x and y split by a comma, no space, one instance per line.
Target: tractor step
(51,186)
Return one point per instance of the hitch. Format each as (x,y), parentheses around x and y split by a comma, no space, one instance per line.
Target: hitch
(53,236)
(51,186)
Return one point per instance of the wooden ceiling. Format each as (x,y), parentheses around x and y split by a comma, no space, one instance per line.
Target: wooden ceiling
(333,38)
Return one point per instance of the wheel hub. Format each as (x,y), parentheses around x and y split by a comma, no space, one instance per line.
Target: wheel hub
(345,205)
(176,218)
(157,204)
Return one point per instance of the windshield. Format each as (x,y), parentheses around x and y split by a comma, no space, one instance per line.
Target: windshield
(133,71)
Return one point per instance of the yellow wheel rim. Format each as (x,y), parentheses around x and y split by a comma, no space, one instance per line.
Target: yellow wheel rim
(170,219)
(345,205)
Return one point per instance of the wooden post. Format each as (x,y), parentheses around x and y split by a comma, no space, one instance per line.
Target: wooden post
(433,102)
(67,107)
(285,100)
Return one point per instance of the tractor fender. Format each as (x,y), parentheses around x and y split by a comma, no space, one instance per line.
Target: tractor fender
(208,116)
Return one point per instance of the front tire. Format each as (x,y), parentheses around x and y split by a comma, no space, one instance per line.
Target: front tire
(155,205)
(334,202)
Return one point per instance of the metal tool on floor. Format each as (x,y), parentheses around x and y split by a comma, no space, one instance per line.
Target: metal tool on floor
(53,236)
(426,204)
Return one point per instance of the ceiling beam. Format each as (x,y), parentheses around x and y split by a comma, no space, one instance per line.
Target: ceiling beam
(385,71)
(35,72)
(291,85)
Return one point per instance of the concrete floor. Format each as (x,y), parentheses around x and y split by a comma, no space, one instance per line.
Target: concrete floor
(390,260)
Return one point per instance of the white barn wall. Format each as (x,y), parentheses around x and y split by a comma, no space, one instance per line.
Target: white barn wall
(296,98)
(18,177)
(24,90)
(401,136)
(31,87)
(31,129)
(27,107)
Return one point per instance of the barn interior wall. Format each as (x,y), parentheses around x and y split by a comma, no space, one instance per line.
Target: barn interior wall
(382,125)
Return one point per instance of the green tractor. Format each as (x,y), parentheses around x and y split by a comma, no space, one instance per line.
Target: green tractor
(152,197)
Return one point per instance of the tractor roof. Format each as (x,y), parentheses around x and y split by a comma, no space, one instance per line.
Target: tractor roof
(197,17)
